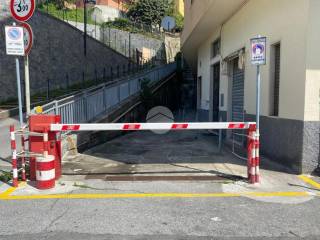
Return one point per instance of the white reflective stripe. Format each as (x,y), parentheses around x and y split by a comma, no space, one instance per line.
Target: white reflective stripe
(149,126)
(257,170)
(45,137)
(45,175)
(257,152)
(12,136)
(15,173)
(41,159)
(14,154)
(253,171)
(253,153)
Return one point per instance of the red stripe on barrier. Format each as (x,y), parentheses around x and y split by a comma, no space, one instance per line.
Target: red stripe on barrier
(233,126)
(180,126)
(70,128)
(43,185)
(13,144)
(45,166)
(131,127)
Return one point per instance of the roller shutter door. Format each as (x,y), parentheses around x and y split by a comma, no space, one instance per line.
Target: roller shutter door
(237,97)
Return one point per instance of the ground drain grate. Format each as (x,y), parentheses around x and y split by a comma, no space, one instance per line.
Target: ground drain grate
(157,178)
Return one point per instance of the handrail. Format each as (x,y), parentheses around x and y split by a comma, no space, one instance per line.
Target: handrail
(92,102)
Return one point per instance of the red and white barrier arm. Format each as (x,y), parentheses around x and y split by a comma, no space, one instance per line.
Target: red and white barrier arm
(150,126)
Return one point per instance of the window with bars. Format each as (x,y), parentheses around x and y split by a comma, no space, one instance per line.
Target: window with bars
(215,48)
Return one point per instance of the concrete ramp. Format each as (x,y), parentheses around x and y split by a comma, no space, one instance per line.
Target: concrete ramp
(179,155)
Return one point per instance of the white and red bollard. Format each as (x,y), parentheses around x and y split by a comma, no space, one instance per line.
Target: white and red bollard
(23,160)
(14,157)
(257,157)
(45,167)
(253,155)
(45,172)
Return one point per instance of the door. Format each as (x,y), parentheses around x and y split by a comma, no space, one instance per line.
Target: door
(216,92)
(237,98)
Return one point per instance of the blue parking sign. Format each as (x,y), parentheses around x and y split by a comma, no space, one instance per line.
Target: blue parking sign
(258,51)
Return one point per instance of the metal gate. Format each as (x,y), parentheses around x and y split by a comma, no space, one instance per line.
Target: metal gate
(237,99)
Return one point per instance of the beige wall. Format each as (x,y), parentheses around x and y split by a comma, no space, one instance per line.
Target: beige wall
(282,21)
(193,14)
(312,96)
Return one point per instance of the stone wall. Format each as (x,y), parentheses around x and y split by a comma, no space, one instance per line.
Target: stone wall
(57,57)
(119,40)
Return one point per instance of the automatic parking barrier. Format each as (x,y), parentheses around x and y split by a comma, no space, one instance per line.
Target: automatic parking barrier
(253,137)
(46,128)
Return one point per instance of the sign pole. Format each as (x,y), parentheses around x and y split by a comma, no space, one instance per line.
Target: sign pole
(19,88)
(258,93)
(19,92)
(27,84)
(258,58)
(22,12)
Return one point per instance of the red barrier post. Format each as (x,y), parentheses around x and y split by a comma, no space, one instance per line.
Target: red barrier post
(23,160)
(257,157)
(14,157)
(251,154)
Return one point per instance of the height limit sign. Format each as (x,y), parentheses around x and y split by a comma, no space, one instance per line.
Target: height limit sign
(22,10)
(258,51)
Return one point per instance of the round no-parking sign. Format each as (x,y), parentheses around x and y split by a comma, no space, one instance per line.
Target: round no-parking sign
(22,10)
(27,37)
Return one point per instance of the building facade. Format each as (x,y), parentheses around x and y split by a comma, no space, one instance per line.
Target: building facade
(180,6)
(216,43)
(119,5)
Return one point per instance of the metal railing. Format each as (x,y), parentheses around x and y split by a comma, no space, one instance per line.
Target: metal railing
(93,102)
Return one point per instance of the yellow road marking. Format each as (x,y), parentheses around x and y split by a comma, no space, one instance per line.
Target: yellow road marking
(309,181)
(279,194)
(8,192)
(156,195)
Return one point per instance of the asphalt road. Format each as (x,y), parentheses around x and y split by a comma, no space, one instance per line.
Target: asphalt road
(145,218)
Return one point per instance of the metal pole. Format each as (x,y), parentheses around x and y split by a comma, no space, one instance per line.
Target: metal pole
(95,27)
(76,16)
(258,92)
(85,27)
(257,135)
(27,84)
(19,92)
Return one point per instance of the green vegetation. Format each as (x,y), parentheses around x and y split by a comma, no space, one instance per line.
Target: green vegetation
(54,9)
(5,176)
(152,12)
(125,24)
(179,22)
(122,24)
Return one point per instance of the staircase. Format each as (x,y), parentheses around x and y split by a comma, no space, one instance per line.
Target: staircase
(188,89)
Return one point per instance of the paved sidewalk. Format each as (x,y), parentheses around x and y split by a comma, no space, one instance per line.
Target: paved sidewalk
(5,152)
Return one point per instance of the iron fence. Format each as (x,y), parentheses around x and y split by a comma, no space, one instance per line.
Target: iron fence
(87,105)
